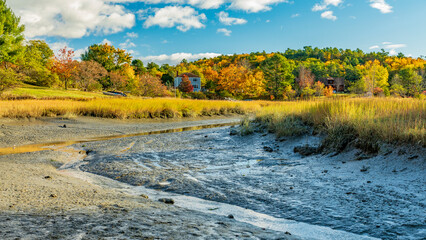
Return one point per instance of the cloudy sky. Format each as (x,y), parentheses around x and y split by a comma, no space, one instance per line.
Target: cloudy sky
(166,31)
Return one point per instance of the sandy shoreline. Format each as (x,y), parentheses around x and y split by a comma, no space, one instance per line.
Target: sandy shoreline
(38,200)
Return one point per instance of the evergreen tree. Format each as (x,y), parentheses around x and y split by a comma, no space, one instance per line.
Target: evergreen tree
(11,37)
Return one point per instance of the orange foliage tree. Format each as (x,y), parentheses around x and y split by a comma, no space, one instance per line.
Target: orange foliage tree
(186,85)
(64,65)
(238,80)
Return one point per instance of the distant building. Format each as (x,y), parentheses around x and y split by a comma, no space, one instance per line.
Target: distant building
(195,81)
(337,83)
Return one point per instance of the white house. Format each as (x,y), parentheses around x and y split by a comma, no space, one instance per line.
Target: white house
(195,81)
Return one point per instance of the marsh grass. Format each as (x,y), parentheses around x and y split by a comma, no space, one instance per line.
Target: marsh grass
(392,120)
(125,108)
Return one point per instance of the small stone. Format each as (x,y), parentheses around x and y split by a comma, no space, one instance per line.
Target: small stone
(368,181)
(291,188)
(230,216)
(325,171)
(144,196)
(48,177)
(167,200)
(363,200)
(233,132)
(287,233)
(65,126)
(53,195)
(206,136)
(268,149)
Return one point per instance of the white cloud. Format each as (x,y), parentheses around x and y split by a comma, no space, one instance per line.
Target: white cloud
(325,4)
(328,15)
(225,19)
(392,48)
(71,19)
(106,41)
(132,35)
(381,5)
(177,57)
(245,5)
(254,6)
(127,44)
(184,18)
(295,15)
(225,31)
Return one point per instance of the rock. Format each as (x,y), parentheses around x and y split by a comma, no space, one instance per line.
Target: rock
(48,177)
(206,136)
(233,132)
(368,181)
(268,149)
(287,233)
(306,150)
(364,169)
(230,216)
(144,196)
(167,200)
(53,195)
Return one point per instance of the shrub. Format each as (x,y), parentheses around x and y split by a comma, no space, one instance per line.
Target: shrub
(198,95)
(328,91)
(9,79)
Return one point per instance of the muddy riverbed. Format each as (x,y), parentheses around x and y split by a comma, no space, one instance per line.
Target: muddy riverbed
(382,197)
(223,186)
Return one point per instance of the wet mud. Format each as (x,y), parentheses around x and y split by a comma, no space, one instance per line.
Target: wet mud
(382,196)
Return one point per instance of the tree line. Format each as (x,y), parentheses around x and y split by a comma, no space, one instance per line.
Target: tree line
(281,75)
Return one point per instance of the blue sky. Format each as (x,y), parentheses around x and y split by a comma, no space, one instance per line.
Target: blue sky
(165,31)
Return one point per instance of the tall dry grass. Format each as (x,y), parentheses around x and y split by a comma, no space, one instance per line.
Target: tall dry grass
(126,108)
(386,119)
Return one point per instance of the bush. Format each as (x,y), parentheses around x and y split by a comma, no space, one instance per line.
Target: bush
(198,95)
(9,79)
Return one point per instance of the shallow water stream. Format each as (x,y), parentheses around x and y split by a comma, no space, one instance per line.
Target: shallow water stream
(211,171)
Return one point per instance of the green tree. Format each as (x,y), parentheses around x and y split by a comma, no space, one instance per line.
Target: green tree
(138,66)
(34,64)
(111,58)
(11,37)
(278,73)
(411,81)
(167,80)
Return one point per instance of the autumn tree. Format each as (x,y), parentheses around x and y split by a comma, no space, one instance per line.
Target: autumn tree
(278,72)
(375,75)
(108,56)
(11,36)
(306,78)
(151,86)
(89,75)
(117,81)
(319,88)
(240,81)
(64,65)
(186,85)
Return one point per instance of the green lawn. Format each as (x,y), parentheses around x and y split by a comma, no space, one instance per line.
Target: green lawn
(43,92)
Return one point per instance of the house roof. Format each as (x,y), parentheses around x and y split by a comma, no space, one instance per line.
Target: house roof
(191,75)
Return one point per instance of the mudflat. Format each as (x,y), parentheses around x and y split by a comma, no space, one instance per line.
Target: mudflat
(39,199)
